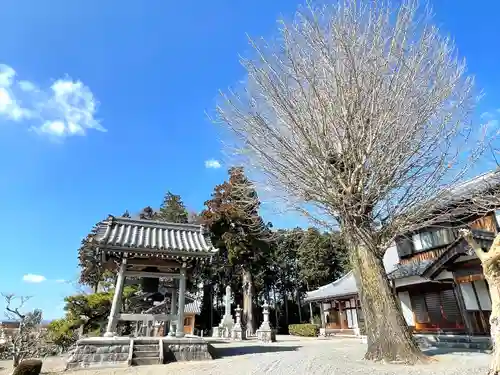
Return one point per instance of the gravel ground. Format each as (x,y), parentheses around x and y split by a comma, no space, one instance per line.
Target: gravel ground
(291,356)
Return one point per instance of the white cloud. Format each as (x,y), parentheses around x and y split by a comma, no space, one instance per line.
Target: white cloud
(66,108)
(60,281)
(7,75)
(212,163)
(31,278)
(27,86)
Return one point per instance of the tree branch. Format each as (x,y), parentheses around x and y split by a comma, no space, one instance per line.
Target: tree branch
(467,235)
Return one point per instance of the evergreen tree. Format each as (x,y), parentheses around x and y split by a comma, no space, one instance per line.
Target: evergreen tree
(172,209)
(322,258)
(239,232)
(90,264)
(147,213)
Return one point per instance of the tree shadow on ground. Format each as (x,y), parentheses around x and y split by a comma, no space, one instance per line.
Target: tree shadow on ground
(253,349)
(441,351)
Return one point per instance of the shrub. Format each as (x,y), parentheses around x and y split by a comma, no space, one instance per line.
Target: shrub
(304,330)
(29,367)
(317,320)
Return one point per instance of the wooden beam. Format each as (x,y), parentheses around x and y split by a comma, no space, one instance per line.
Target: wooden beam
(152,274)
(149,317)
(154,262)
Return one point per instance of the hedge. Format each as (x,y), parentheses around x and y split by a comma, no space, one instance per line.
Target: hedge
(304,330)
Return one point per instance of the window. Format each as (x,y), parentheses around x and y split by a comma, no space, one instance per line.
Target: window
(187,321)
(432,238)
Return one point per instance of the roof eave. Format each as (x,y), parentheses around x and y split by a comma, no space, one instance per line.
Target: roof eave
(331,297)
(190,254)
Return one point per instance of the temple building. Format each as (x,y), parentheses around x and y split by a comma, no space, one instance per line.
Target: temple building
(147,251)
(151,250)
(435,275)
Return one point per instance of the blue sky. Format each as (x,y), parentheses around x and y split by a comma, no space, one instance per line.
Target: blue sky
(137,81)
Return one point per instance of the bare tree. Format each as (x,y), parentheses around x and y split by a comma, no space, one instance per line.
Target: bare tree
(26,341)
(359,114)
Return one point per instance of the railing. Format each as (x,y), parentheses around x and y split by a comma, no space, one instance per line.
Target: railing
(160,346)
(147,317)
(130,352)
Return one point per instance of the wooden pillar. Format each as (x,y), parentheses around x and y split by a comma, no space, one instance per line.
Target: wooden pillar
(173,307)
(117,299)
(311,318)
(182,292)
(322,312)
(341,316)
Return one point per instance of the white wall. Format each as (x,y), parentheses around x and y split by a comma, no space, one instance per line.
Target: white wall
(391,258)
(404,297)
(409,281)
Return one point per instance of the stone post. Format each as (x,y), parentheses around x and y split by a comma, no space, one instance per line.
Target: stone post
(238,333)
(265,333)
(173,307)
(182,292)
(117,299)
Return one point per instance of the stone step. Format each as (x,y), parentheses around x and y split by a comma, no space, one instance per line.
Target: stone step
(146,347)
(145,361)
(148,354)
(477,345)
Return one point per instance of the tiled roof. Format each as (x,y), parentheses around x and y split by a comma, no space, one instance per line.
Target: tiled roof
(127,233)
(456,248)
(344,286)
(415,268)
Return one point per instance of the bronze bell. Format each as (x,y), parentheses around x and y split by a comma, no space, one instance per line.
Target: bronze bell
(150,284)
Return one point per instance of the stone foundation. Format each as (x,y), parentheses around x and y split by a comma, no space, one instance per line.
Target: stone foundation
(100,352)
(186,349)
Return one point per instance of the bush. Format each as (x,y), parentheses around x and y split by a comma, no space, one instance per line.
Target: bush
(304,330)
(317,320)
(29,367)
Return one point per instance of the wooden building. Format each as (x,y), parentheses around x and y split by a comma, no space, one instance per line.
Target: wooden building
(436,276)
(149,249)
(192,308)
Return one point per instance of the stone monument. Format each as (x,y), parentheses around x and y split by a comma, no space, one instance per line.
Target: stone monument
(265,333)
(227,323)
(238,333)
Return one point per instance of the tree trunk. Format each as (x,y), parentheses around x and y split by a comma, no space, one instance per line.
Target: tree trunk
(493,278)
(297,294)
(285,299)
(248,302)
(275,309)
(389,338)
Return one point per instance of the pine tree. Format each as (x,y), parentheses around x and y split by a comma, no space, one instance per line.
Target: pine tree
(172,209)
(147,213)
(237,229)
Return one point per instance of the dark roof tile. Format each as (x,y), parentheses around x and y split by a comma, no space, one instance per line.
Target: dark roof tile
(119,232)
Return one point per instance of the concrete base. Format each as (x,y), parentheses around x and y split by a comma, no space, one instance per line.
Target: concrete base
(101,352)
